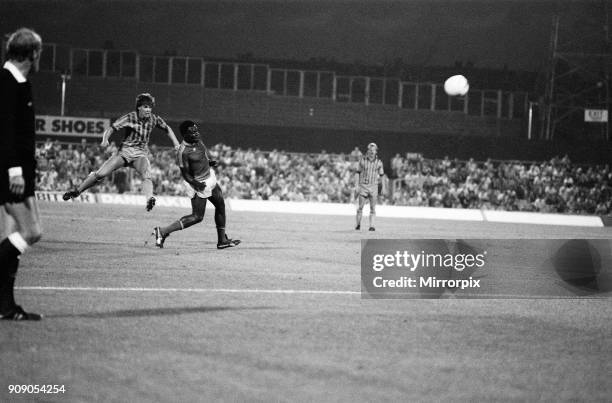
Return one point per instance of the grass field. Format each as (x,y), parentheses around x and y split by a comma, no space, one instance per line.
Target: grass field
(280,318)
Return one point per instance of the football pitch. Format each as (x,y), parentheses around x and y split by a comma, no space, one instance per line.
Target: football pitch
(280,317)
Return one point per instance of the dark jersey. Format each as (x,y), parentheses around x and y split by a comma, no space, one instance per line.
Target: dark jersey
(194,158)
(17,122)
(17,133)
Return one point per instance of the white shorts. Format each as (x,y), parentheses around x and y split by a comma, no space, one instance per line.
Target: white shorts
(210,182)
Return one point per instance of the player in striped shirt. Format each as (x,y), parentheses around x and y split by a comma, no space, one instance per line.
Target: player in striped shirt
(370,172)
(195,164)
(134,149)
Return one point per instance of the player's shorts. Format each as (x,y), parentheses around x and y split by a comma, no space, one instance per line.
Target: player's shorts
(369,191)
(29,176)
(210,182)
(131,154)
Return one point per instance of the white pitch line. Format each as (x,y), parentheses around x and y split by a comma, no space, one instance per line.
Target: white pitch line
(194,290)
(279,291)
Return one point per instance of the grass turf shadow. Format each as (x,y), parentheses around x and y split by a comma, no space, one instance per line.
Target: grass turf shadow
(130,313)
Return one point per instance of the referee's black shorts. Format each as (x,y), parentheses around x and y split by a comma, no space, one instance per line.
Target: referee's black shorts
(29,175)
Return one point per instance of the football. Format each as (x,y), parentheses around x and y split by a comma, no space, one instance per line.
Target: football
(456,85)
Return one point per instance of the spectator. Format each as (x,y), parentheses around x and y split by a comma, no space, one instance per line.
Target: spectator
(551,186)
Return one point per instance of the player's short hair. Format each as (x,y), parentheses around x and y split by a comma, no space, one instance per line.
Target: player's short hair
(22,44)
(373,146)
(188,127)
(145,98)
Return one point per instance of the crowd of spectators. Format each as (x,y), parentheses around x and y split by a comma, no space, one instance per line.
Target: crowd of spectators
(244,174)
(62,166)
(557,186)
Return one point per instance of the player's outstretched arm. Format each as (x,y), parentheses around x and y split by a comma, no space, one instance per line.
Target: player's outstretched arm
(106,135)
(123,121)
(173,138)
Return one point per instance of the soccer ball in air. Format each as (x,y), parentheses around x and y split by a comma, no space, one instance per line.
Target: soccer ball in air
(456,85)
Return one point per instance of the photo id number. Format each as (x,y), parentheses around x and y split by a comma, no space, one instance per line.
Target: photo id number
(36,389)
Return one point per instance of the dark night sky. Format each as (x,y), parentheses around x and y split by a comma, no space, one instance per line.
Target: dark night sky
(489,33)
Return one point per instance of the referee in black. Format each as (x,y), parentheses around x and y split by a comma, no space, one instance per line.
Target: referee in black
(17,165)
(370,172)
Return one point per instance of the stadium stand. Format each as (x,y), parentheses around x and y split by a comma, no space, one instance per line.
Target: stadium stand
(554,186)
(305,107)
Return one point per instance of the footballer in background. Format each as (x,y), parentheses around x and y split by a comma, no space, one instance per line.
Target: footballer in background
(369,183)
(195,163)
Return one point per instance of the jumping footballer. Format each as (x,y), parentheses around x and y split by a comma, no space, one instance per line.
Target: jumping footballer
(134,148)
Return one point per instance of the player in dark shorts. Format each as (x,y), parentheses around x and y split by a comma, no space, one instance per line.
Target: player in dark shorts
(134,149)
(195,164)
(20,225)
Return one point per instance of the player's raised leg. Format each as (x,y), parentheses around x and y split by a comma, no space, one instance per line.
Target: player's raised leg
(112,164)
(217,200)
(198,208)
(143,167)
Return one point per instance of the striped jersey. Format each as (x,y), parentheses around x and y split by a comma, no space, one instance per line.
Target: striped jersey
(195,159)
(369,171)
(139,134)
